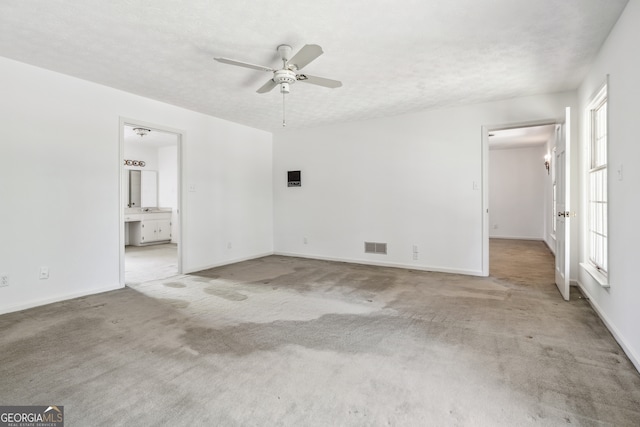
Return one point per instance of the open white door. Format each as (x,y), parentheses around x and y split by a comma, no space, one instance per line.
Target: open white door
(562,196)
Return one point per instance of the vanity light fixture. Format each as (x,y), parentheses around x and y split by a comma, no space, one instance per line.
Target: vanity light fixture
(141,131)
(140,163)
(547,162)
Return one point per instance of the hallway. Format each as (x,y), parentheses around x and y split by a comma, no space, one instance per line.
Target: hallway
(521,261)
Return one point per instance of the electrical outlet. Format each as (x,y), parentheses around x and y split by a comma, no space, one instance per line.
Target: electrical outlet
(229,245)
(305,240)
(415,256)
(415,249)
(44,272)
(4,280)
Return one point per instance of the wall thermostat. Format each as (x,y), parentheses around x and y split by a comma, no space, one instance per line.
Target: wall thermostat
(293,179)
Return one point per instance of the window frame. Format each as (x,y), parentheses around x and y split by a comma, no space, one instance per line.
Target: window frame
(597,191)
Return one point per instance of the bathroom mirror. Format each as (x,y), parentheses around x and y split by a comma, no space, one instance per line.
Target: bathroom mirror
(143,189)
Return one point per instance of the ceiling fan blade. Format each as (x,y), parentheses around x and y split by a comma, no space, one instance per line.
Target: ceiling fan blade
(308,53)
(267,86)
(244,64)
(320,81)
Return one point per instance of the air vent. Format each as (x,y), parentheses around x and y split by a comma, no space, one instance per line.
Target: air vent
(375,248)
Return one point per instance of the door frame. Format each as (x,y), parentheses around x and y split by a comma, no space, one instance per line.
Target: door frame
(124,121)
(486,129)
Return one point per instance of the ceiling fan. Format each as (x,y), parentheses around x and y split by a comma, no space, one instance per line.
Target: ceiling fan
(289,73)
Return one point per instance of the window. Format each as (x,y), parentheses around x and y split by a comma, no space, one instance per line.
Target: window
(597,183)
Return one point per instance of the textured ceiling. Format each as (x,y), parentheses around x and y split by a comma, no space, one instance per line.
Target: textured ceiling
(393,57)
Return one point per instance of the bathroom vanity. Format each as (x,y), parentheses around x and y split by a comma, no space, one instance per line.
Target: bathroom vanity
(145,224)
(148,227)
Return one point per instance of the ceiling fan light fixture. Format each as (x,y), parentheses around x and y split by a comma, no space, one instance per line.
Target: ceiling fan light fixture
(141,131)
(288,74)
(285,52)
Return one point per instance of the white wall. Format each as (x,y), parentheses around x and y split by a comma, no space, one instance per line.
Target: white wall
(517,193)
(147,154)
(407,180)
(59,185)
(168,185)
(618,305)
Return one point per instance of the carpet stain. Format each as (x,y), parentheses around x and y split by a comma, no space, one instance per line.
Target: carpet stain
(174,285)
(342,333)
(202,279)
(65,339)
(225,294)
(175,303)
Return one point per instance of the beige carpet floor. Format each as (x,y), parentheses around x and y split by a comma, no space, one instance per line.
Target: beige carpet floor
(297,342)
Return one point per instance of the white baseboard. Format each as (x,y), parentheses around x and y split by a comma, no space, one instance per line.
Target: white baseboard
(635,359)
(553,250)
(58,298)
(517,238)
(386,264)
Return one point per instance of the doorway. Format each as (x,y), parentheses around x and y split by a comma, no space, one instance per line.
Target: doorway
(518,193)
(150,207)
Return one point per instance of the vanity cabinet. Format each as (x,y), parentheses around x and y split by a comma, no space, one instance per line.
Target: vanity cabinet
(152,228)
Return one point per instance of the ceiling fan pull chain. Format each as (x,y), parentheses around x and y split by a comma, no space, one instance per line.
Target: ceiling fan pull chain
(284,122)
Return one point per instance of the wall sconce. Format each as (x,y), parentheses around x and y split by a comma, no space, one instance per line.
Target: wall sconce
(547,162)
